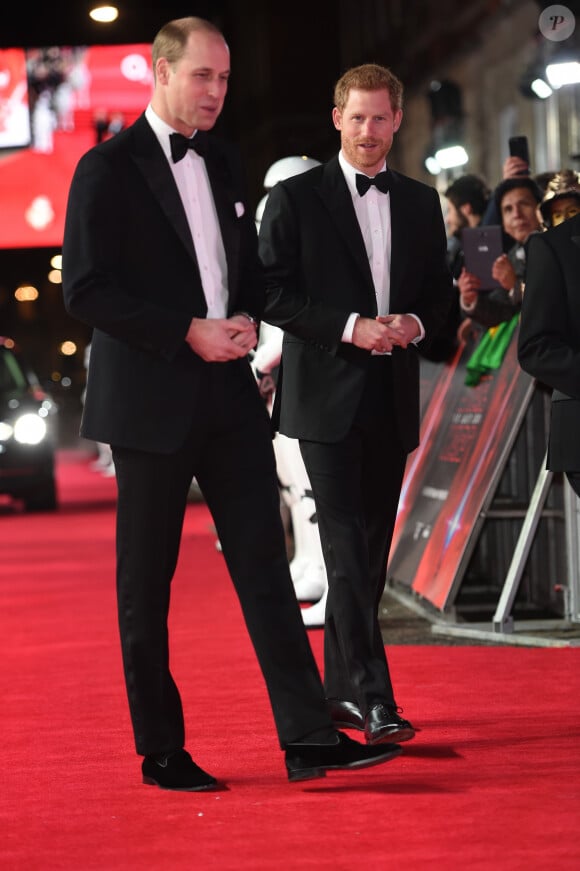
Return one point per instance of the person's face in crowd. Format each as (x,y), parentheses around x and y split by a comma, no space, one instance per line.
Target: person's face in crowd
(519,214)
(367,126)
(455,220)
(564,208)
(189,95)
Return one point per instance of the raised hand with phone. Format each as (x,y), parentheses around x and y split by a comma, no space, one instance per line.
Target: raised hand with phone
(518,163)
(516,200)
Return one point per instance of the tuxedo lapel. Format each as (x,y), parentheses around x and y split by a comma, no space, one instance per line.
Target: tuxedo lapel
(225,202)
(336,197)
(150,159)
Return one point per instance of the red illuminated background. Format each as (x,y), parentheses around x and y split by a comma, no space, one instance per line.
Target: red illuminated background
(68,89)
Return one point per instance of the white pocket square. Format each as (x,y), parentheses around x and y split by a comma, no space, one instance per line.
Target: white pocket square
(239,209)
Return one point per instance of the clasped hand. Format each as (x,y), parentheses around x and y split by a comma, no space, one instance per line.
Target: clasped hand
(383,333)
(217,340)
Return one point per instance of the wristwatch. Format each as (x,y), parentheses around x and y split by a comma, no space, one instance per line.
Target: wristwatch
(250,317)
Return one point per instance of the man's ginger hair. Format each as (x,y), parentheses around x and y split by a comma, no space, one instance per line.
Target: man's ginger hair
(368,77)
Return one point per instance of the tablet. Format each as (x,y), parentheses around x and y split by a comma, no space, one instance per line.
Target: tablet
(481,247)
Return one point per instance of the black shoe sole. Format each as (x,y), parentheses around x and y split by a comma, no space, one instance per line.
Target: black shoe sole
(394,736)
(150,781)
(314,773)
(306,774)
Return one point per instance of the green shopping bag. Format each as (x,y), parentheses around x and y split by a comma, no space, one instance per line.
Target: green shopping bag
(490,351)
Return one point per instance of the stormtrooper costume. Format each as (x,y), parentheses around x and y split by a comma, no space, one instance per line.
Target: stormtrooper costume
(307,565)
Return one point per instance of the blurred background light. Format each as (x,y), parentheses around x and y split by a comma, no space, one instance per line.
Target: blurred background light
(451,156)
(104,14)
(68,349)
(432,166)
(26,293)
(541,89)
(563,73)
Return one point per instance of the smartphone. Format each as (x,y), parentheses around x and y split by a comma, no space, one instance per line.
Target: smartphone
(518,146)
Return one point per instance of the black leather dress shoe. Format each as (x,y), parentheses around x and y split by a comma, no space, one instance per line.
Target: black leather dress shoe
(308,761)
(383,723)
(177,771)
(345,715)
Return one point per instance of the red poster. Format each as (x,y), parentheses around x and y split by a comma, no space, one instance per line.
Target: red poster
(54,104)
(466,436)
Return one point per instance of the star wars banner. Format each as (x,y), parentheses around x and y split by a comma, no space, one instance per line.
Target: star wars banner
(466,436)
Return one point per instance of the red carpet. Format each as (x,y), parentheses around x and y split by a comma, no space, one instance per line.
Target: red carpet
(491,782)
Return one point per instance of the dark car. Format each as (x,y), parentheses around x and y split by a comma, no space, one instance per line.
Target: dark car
(27,434)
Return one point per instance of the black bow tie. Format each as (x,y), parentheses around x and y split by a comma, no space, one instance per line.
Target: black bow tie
(179,145)
(363,182)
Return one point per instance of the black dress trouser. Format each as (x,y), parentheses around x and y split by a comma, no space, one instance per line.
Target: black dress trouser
(229,451)
(356,484)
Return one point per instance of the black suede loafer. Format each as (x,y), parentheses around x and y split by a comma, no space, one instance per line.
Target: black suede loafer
(345,715)
(309,761)
(177,771)
(383,723)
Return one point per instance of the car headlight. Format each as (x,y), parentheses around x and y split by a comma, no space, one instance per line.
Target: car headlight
(30,429)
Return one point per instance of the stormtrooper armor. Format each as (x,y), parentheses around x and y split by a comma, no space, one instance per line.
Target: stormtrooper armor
(307,565)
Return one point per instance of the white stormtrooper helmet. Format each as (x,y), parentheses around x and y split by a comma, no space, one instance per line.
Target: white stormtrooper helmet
(284,168)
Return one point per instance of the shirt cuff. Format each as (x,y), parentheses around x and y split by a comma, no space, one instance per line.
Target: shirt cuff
(421,335)
(349,328)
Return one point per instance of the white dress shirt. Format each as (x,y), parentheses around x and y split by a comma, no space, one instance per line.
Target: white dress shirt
(373,212)
(192,182)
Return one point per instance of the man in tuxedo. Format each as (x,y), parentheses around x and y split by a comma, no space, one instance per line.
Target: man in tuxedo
(160,258)
(549,337)
(355,258)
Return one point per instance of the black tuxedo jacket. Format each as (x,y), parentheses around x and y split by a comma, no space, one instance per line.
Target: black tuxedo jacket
(549,336)
(130,272)
(318,273)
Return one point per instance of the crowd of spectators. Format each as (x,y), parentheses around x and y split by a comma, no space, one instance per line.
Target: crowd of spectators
(521,205)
